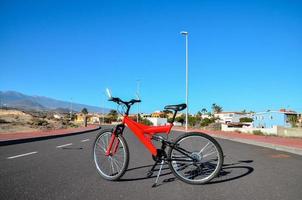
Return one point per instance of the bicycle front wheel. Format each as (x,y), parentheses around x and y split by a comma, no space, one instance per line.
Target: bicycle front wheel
(196,158)
(113,166)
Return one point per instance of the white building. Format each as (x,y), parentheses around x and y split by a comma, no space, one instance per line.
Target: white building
(158,121)
(230,117)
(57,116)
(203,116)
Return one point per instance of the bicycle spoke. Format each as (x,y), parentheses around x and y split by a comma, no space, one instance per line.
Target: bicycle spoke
(204,148)
(208,154)
(116,164)
(111,164)
(102,146)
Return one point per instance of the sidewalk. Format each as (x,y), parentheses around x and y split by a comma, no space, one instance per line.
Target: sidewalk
(291,145)
(36,135)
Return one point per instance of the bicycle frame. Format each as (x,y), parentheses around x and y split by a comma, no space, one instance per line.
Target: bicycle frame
(144,134)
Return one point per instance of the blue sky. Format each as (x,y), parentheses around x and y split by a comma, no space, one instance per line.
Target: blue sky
(242,54)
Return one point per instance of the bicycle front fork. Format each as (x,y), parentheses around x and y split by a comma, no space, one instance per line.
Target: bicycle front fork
(117,131)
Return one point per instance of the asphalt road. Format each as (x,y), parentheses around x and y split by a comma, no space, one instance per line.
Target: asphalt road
(62,168)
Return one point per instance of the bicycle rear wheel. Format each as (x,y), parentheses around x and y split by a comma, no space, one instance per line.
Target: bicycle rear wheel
(114,166)
(196,158)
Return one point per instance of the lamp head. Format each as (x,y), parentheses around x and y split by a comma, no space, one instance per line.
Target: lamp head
(184,33)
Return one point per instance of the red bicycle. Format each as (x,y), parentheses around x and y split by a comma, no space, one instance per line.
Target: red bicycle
(194,158)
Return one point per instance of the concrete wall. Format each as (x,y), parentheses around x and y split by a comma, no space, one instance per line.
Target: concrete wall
(276,130)
(268,131)
(289,132)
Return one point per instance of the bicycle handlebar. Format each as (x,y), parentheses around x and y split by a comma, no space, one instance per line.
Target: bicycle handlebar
(127,103)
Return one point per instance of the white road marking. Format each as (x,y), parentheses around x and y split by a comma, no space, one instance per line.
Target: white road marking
(64,145)
(21,155)
(85,140)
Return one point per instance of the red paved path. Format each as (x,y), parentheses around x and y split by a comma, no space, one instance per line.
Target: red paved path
(289,142)
(36,134)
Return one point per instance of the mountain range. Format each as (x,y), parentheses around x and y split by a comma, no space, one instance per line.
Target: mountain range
(18,100)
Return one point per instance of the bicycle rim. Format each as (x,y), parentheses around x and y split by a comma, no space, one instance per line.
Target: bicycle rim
(114,166)
(207,161)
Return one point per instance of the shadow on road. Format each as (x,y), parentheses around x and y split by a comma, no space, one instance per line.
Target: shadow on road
(233,171)
(229,172)
(165,171)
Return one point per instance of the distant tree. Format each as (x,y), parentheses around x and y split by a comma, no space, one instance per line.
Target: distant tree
(206,121)
(209,113)
(204,110)
(216,108)
(112,112)
(246,119)
(243,111)
(180,119)
(293,120)
(167,111)
(194,120)
(113,115)
(146,122)
(84,111)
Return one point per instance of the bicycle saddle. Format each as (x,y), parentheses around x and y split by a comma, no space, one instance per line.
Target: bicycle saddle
(178,107)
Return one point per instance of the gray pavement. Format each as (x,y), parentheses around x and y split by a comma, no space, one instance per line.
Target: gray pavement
(62,168)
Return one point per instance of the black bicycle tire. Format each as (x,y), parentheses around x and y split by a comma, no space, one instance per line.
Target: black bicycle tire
(220,154)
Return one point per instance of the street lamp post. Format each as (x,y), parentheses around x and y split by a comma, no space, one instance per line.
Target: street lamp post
(103,106)
(185,33)
(138,96)
(70,109)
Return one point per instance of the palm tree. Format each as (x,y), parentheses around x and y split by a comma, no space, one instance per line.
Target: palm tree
(204,110)
(199,113)
(112,112)
(216,108)
(113,115)
(84,111)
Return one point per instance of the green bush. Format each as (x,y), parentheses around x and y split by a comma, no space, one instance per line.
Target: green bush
(258,132)
(206,121)
(246,119)
(194,120)
(181,119)
(39,122)
(146,122)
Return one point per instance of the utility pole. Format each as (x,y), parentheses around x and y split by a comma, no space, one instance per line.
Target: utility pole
(186,34)
(103,108)
(138,96)
(70,112)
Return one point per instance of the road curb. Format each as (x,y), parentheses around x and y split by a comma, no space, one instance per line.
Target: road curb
(264,144)
(288,149)
(38,138)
